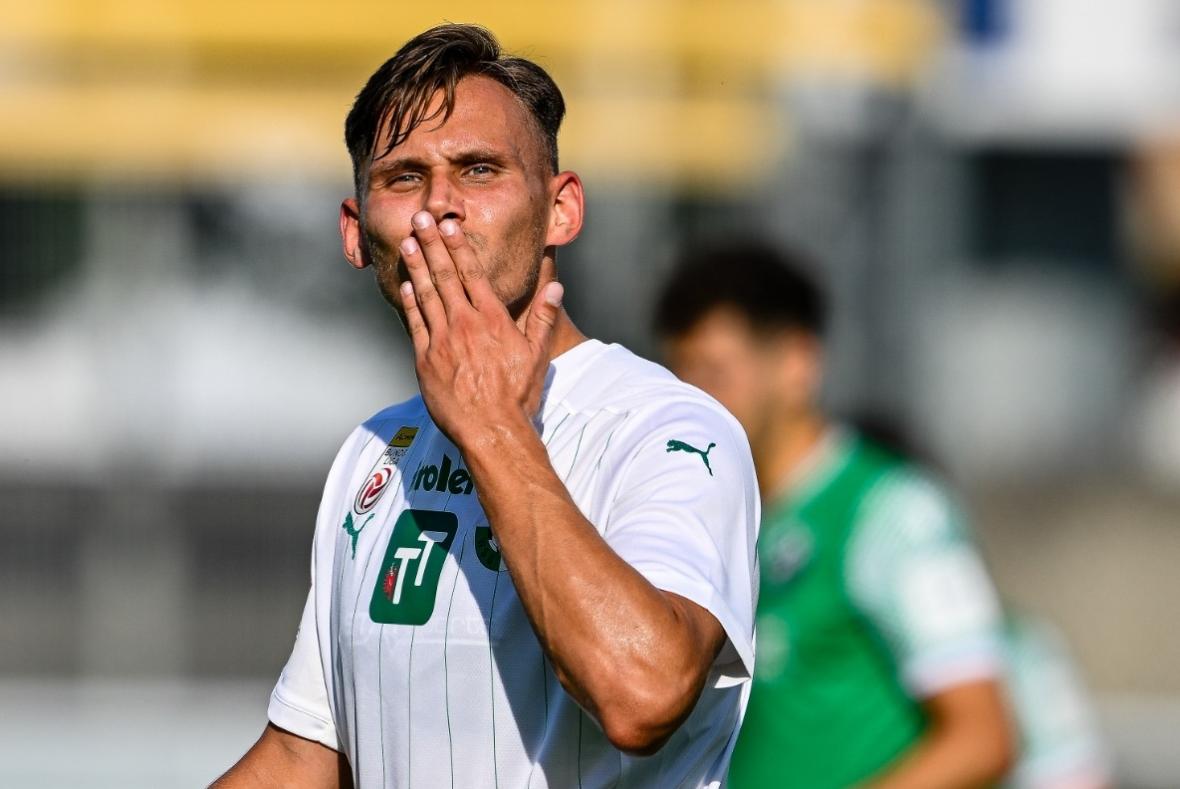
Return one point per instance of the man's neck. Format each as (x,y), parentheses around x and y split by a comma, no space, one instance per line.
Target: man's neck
(565,336)
(784,448)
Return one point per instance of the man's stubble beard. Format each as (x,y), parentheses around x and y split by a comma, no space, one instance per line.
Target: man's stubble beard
(390,271)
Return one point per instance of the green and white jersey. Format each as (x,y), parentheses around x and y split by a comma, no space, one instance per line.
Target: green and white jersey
(872,598)
(415,657)
(1061,745)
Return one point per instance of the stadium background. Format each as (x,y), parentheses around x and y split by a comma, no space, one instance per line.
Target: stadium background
(993,189)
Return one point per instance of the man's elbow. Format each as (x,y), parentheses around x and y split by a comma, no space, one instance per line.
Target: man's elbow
(635,735)
(999,755)
(989,750)
(644,722)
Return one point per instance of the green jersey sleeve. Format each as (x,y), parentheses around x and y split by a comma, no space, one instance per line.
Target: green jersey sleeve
(913,572)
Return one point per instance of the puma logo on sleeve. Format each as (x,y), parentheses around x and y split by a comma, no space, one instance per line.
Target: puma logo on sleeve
(679,446)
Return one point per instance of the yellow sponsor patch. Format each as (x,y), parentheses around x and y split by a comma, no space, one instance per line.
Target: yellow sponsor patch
(404,437)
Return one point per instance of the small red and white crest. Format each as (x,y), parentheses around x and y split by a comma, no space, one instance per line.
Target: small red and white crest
(370,492)
(382,473)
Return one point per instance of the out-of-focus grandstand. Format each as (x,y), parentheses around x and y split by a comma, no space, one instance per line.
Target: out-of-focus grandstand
(992,187)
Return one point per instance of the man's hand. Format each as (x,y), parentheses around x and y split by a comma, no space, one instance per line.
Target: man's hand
(476,368)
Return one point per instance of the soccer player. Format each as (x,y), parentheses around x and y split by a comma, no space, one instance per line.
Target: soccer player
(539,572)
(879,635)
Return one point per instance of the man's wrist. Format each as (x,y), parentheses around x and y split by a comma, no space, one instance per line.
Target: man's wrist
(493,436)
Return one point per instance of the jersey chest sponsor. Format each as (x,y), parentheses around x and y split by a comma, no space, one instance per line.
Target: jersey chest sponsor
(422,538)
(446,476)
(406,586)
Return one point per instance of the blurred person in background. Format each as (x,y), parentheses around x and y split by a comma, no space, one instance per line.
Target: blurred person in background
(542,568)
(882,655)
(880,648)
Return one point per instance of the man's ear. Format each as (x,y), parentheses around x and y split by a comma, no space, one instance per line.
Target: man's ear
(350,233)
(567,210)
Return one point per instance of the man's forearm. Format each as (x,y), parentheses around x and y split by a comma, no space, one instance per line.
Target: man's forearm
(283,760)
(939,761)
(969,743)
(626,651)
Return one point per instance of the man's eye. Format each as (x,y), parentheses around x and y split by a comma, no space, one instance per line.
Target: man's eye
(480,169)
(402,179)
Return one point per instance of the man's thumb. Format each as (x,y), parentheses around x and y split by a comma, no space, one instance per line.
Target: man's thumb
(543,313)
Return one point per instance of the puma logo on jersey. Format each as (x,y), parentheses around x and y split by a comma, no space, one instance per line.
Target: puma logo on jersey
(679,446)
(442,479)
(354,531)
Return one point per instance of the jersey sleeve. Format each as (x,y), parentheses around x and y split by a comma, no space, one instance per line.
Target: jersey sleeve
(299,701)
(914,573)
(686,517)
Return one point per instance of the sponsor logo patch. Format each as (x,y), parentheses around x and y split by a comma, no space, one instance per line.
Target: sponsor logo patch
(445,477)
(407,582)
(487,549)
(379,478)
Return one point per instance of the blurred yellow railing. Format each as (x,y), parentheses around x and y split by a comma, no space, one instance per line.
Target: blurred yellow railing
(657,89)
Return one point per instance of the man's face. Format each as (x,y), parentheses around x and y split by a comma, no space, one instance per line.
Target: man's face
(486,168)
(757,377)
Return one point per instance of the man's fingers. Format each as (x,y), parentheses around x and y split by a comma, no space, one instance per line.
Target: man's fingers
(471,271)
(425,295)
(543,314)
(415,325)
(443,272)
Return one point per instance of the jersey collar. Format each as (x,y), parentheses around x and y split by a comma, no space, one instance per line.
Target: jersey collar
(565,370)
(826,459)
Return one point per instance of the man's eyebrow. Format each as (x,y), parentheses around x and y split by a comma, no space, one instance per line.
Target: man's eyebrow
(396,165)
(463,158)
(479,156)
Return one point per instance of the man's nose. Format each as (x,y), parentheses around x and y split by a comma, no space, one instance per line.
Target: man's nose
(443,200)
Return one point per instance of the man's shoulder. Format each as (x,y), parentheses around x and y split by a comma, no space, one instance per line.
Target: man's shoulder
(413,408)
(384,426)
(621,380)
(907,506)
(656,415)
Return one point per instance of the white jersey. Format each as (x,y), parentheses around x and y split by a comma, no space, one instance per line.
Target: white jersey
(415,657)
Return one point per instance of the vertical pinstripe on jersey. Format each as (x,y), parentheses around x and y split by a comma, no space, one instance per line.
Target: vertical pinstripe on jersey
(410,660)
(446,671)
(375,434)
(544,667)
(378,433)
(581,719)
(492,681)
(577,449)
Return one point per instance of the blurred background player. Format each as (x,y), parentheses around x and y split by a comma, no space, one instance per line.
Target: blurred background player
(882,653)
(879,633)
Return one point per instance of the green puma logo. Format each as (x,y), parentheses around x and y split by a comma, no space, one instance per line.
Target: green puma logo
(354,532)
(679,446)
